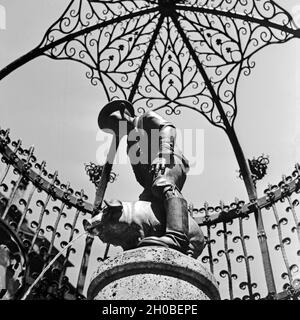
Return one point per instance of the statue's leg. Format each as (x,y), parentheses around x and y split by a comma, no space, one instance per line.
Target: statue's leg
(167,188)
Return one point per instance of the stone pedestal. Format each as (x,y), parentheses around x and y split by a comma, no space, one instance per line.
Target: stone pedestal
(152,273)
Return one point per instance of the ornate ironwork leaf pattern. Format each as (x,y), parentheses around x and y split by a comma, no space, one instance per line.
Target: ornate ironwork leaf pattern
(135,51)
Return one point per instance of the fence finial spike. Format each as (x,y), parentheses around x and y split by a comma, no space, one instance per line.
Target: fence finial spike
(269,186)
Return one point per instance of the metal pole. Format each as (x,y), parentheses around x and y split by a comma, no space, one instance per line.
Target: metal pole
(246,174)
(251,189)
(100,191)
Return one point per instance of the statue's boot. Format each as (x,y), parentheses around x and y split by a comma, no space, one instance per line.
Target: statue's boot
(176,227)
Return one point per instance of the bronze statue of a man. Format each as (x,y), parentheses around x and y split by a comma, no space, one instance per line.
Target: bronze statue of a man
(159,166)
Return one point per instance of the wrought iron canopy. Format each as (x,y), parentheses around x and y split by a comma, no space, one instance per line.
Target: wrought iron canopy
(169,54)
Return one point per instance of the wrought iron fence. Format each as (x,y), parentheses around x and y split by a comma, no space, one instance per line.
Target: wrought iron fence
(46,214)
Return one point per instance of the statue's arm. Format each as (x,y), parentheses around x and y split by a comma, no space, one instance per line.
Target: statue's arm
(167,137)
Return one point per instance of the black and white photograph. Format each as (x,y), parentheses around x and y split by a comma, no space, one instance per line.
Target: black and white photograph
(150,151)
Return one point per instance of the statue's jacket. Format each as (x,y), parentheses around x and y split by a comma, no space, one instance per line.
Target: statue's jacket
(153,136)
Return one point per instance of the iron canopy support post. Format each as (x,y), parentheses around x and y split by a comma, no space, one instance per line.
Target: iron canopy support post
(100,191)
(244,168)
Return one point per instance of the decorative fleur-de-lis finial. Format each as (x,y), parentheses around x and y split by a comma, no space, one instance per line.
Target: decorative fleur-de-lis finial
(222,205)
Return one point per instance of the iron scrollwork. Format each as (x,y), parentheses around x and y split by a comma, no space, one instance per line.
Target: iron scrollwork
(94,172)
(111,39)
(258,167)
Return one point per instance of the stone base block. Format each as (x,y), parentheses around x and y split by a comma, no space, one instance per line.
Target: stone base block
(152,273)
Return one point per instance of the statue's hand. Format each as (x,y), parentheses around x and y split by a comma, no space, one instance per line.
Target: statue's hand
(159,165)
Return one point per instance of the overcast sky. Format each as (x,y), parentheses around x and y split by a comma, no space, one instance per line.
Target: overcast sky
(52,105)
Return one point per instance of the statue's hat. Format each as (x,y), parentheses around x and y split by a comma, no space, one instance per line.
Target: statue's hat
(110,108)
